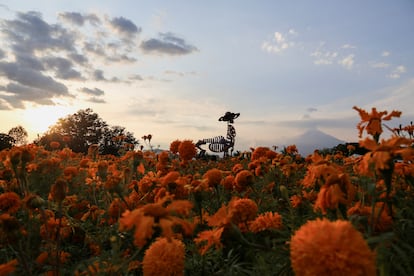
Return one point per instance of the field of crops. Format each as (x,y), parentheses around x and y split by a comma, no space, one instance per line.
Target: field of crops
(262,212)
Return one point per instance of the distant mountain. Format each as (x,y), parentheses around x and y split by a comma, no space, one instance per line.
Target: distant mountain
(313,139)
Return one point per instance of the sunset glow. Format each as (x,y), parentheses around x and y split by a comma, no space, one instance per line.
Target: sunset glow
(38,119)
(173,68)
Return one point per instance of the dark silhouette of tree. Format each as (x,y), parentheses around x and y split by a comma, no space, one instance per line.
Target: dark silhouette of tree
(116,139)
(83,129)
(6,141)
(19,135)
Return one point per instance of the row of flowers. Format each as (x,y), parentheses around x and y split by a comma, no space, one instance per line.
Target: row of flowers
(171,214)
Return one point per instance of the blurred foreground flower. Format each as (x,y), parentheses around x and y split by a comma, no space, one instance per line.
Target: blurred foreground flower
(164,257)
(165,214)
(371,122)
(323,247)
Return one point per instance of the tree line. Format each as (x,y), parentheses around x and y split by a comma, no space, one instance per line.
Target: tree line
(78,132)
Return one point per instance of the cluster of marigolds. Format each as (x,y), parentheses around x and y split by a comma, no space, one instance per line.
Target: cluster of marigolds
(145,213)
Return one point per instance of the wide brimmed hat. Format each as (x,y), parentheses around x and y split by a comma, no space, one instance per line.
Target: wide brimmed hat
(229,117)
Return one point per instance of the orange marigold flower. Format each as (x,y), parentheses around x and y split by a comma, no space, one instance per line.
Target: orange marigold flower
(323,247)
(382,155)
(208,238)
(242,210)
(236,168)
(337,189)
(165,214)
(291,149)
(371,122)
(164,257)
(383,221)
(8,268)
(170,179)
(46,258)
(213,177)
(228,182)
(163,157)
(244,179)
(49,229)
(84,163)
(70,171)
(187,150)
(10,202)
(116,208)
(174,146)
(220,218)
(113,183)
(54,145)
(266,221)
(134,265)
(259,152)
(295,200)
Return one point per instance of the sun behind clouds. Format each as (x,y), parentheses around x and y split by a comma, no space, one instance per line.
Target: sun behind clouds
(39,118)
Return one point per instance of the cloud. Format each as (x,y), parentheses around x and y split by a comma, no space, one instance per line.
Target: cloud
(31,78)
(62,68)
(29,33)
(347,61)
(96,100)
(4,105)
(98,75)
(79,19)
(167,43)
(73,17)
(311,109)
(136,77)
(324,58)
(94,92)
(36,60)
(348,46)
(396,73)
(29,61)
(279,42)
(308,111)
(4,7)
(17,94)
(385,53)
(179,74)
(380,65)
(125,26)
(344,122)
(40,60)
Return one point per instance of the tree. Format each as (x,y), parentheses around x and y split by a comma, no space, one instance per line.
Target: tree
(82,129)
(6,141)
(19,135)
(116,138)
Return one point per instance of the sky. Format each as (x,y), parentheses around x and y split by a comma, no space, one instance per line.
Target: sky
(172,68)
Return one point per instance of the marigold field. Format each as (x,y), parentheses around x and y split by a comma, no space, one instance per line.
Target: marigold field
(261,212)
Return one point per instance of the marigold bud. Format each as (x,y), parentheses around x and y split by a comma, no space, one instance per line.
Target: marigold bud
(34,202)
(58,190)
(284,192)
